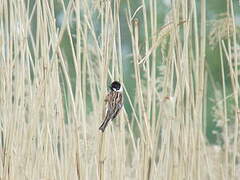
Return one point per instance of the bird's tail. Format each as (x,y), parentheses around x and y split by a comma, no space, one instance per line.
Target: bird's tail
(104,124)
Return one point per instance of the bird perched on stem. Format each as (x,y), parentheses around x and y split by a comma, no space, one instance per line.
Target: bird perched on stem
(114,101)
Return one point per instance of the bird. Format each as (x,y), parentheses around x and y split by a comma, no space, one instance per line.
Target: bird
(114,103)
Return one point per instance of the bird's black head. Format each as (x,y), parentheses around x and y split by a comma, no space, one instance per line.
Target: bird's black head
(116,86)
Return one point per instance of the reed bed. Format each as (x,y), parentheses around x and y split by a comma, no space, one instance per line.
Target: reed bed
(54,71)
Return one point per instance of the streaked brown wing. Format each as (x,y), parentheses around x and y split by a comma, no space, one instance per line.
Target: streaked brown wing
(115,103)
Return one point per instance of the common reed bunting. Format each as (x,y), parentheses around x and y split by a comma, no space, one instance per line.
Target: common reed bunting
(114,101)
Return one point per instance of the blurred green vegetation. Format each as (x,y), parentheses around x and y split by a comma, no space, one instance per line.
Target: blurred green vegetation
(214,8)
